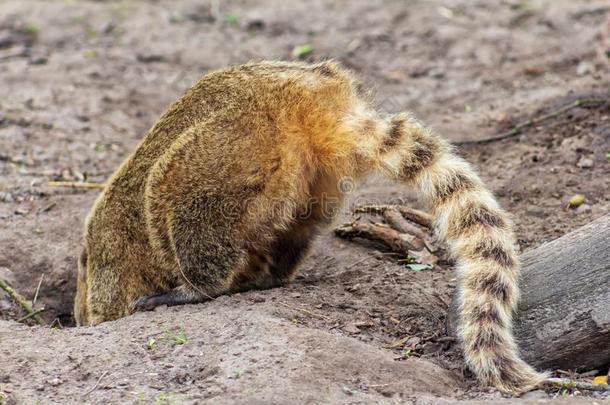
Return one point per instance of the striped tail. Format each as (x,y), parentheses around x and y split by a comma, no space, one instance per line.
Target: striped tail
(480,238)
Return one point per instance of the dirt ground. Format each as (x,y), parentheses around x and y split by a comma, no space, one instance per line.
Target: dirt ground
(82,81)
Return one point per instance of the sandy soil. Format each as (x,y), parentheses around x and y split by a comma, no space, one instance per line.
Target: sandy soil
(81,82)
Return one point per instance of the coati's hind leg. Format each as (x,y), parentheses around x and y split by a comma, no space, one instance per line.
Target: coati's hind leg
(279,263)
(289,250)
(210,270)
(206,258)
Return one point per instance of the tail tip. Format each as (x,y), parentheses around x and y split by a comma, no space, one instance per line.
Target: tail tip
(517,379)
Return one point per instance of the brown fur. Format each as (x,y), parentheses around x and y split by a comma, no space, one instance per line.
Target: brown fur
(227,190)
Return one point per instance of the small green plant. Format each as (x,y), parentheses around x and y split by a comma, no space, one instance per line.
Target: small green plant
(166,398)
(236,374)
(523,5)
(176,18)
(232,19)
(90,53)
(31,29)
(150,343)
(405,354)
(90,31)
(302,51)
(174,337)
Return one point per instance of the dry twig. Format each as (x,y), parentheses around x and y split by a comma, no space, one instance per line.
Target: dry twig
(37,289)
(77,184)
(96,384)
(305,311)
(364,259)
(516,130)
(417,216)
(568,383)
(28,316)
(23,303)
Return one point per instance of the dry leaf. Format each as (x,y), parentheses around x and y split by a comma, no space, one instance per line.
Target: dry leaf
(397,343)
(423,256)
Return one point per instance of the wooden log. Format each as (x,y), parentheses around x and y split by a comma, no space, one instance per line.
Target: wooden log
(563,321)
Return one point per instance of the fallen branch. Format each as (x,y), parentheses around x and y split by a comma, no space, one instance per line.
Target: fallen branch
(396,241)
(23,303)
(571,384)
(417,216)
(395,219)
(74,184)
(516,130)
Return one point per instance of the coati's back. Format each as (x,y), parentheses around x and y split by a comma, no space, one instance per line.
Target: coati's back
(247,114)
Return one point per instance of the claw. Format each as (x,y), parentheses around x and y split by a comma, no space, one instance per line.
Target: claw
(150,302)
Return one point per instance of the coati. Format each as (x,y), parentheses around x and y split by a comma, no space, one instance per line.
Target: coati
(217,199)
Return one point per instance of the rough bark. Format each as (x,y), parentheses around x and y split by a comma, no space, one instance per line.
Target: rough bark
(564,314)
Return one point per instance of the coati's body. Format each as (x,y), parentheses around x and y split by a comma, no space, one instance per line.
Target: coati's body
(227,190)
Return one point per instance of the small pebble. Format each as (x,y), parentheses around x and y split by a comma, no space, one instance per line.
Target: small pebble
(585,163)
(22,211)
(585,68)
(5,196)
(351,328)
(55,382)
(257,298)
